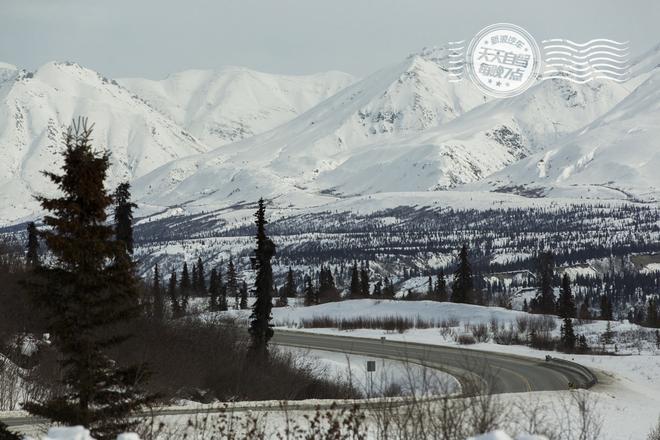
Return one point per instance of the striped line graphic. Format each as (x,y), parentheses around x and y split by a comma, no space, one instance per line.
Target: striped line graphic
(599,58)
(456,62)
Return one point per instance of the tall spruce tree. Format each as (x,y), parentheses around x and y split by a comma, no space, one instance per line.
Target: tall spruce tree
(261,330)
(173,293)
(441,287)
(200,288)
(32,255)
(244,295)
(185,288)
(606,312)
(89,295)
(355,281)
(310,295)
(566,307)
(157,295)
(545,295)
(232,284)
(462,286)
(568,338)
(364,281)
(290,284)
(214,290)
(124,215)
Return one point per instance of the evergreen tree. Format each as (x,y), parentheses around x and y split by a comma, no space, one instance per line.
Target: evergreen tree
(583,346)
(201,278)
(173,294)
(310,295)
(355,281)
(364,281)
(261,330)
(214,290)
(290,284)
(232,284)
(388,288)
(429,289)
(244,295)
(194,280)
(585,314)
(157,294)
(90,293)
(545,296)
(566,300)
(32,255)
(568,338)
(441,287)
(283,299)
(652,314)
(124,215)
(606,313)
(462,288)
(185,287)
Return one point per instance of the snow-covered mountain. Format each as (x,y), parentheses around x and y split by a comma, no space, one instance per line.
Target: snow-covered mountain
(616,156)
(235,103)
(404,128)
(35,109)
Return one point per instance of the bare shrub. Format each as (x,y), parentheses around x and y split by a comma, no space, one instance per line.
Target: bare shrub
(466,339)
(522,323)
(480,332)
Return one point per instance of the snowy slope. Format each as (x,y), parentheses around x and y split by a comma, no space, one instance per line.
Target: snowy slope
(235,103)
(616,156)
(36,107)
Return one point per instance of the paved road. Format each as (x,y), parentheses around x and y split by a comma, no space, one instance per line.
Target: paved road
(494,372)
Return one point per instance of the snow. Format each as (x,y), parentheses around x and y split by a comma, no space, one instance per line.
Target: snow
(412,379)
(66,433)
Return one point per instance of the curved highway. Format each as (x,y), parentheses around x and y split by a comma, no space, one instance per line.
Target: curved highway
(490,372)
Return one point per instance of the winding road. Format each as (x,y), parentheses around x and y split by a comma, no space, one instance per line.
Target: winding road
(492,372)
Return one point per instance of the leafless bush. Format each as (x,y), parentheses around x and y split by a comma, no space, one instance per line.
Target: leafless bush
(394,323)
(521,323)
(466,339)
(541,324)
(480,332)
(506,336)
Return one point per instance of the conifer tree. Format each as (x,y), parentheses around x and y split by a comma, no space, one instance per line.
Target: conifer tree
(124,215)
(545,296)
(214,290)
(173,294)
(388,288)
(462,287)
(232,284)
(429,288)
(32,255)
(201,278)
(568,338)
(185,286)
(157,294)
(244,295)
(364,281)
(566,300)
(89,295)
(605,308)
(441,287)
(585,314)
(355,281)
(261,330)
(310,295)
(652,319)
(290,284)
(194,282)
